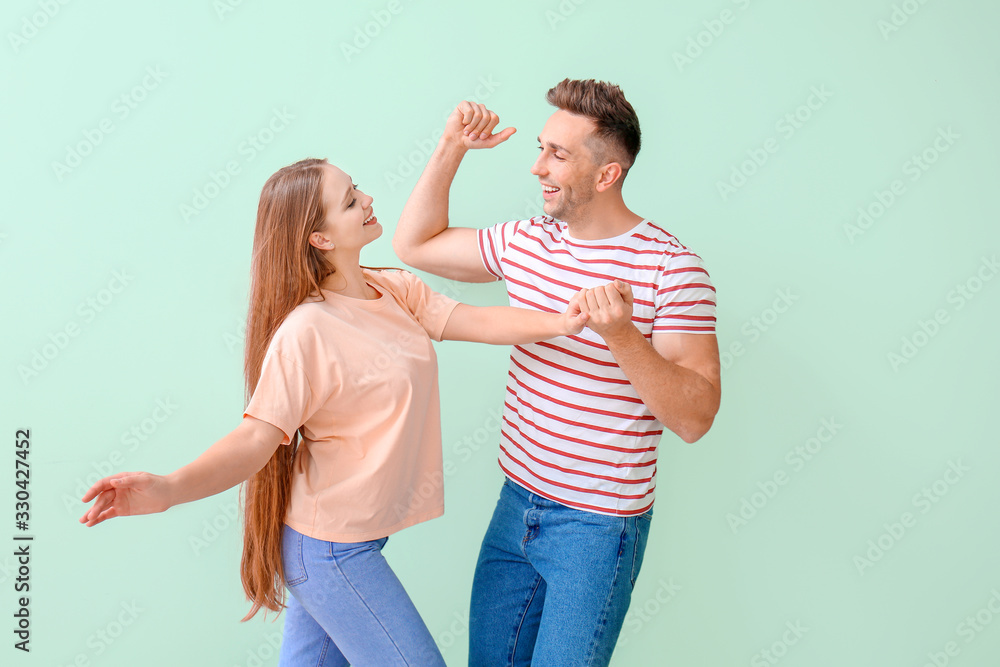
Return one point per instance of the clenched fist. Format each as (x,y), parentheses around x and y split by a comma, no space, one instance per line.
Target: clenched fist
(471,125)
(609,308)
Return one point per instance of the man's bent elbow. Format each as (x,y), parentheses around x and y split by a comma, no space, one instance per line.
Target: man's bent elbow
(402,249)
(693,431)
(410,254)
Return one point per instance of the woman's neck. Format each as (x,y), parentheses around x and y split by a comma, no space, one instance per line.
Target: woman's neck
(350,283)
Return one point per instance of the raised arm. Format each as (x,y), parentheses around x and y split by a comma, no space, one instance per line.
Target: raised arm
(231,460)
(423,237)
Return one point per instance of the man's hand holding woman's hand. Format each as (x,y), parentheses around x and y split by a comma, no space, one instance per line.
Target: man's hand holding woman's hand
(608,308)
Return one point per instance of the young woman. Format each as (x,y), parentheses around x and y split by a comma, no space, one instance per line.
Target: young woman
(340,442)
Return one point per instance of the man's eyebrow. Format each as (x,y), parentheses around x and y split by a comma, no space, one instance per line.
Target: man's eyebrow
(556,146)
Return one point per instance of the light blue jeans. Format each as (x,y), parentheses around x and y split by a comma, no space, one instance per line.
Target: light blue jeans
(553,583)
(348,607)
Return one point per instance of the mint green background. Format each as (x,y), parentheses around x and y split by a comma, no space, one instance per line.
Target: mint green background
(174,331)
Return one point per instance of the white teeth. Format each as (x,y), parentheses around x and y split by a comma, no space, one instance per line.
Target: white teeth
(547,188)
(369,218)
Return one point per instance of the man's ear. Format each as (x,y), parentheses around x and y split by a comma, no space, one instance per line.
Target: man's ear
(608,175)
(318,240)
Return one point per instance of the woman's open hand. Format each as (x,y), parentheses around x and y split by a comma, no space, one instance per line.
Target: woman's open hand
(126,494)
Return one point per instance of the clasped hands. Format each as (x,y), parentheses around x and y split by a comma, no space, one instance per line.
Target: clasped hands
(607,309)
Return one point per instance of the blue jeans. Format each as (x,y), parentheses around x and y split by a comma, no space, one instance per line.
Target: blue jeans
(553,583)
(348,607)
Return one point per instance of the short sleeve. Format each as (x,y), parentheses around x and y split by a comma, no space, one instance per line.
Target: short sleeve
(685,297)
(283,396)
(493,243)
(430,309)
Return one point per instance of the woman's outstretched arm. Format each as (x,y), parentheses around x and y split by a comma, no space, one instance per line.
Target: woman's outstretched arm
(231,460)
(503,325)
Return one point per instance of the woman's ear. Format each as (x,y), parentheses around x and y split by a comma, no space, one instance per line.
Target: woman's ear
(318,240)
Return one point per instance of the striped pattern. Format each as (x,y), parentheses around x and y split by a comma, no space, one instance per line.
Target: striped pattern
(574,430)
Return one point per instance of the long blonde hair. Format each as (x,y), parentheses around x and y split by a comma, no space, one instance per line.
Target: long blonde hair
(285,269)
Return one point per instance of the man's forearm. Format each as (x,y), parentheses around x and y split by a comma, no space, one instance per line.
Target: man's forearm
(683,400)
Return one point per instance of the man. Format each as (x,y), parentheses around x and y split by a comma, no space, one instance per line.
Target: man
(583,414)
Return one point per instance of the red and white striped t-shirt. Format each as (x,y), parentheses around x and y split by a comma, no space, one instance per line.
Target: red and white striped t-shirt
(574,429)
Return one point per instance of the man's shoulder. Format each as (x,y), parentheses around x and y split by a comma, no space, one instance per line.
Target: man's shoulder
(656,236)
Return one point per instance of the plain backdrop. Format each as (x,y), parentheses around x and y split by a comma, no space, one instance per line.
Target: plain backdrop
(834,164)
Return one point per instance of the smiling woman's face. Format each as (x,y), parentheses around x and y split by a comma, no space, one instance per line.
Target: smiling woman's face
(350,219)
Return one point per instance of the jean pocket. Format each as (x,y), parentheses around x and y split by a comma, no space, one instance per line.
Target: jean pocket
(291,557)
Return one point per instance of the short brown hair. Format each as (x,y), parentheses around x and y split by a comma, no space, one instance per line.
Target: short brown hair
(617,128)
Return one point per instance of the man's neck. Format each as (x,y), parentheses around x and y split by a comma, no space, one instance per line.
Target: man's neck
(603,223)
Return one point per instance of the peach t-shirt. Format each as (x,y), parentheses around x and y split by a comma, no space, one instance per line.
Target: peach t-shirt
(360,379)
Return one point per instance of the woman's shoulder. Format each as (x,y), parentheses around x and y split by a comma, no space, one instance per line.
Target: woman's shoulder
(301,322)
(397,281)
